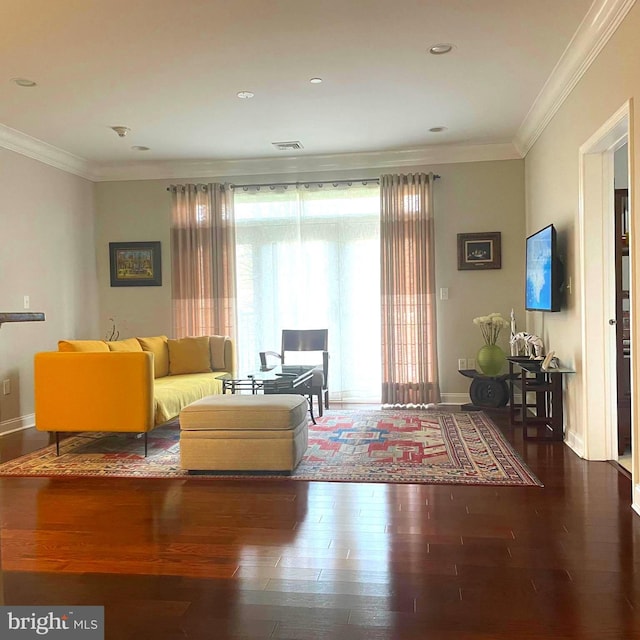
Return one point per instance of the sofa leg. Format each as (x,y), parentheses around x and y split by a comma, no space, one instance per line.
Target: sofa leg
(57,443)
(146,443)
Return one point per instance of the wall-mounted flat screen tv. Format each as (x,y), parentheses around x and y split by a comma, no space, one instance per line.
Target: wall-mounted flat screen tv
(544,272)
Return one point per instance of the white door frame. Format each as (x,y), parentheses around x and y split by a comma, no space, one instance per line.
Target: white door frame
(597,286)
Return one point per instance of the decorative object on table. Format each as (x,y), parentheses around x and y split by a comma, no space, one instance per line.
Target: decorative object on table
(426,447)
(491,358)
(479,251)
(549,362)
(529,345)
(512,343)
(135,264)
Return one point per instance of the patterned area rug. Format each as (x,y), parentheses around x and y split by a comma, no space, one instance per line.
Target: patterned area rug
(427,447)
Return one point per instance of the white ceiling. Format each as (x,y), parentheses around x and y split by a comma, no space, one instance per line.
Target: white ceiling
(170,70)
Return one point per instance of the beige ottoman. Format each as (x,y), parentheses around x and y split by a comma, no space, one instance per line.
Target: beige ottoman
(244,433)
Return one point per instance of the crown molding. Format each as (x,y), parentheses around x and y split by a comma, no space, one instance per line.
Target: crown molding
(601,21)
(21,143)
(440,154)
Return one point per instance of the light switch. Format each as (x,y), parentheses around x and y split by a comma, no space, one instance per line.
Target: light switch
(444,293)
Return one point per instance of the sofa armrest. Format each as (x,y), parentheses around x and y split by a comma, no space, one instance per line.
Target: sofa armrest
(94,391)
(223,354)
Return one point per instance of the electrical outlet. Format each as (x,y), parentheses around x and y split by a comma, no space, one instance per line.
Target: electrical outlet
(27,302)
(6,387)
(462,364)
(471,363)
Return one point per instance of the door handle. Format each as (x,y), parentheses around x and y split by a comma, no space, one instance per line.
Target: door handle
(613,321)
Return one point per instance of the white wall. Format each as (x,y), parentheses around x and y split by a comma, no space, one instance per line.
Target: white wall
(469,197)
(48,253)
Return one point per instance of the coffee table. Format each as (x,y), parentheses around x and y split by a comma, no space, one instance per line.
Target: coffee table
(280,379)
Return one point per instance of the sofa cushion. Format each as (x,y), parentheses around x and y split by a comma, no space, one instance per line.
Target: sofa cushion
(82,345)
(217,345)
(130,344)
(189,355)
(173,393)
(158,346)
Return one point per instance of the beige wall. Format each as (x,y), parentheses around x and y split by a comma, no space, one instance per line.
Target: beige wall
(552,192)
(469,197)
(48,253)
(474,197)
(136,211)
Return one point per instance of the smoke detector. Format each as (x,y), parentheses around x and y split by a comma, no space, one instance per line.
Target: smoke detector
(121,131)
(293,145)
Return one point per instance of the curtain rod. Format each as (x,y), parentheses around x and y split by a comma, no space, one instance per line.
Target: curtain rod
(306,182)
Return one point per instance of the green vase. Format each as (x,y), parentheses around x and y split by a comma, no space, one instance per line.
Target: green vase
(491,360)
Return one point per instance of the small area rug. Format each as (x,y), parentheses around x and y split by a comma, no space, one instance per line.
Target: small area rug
(407,446)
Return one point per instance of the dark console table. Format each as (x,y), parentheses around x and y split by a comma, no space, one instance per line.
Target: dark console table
(545,414)
(489,392)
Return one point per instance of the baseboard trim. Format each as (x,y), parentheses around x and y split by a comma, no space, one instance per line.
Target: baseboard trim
(454,398)
(17,424)
(574,442)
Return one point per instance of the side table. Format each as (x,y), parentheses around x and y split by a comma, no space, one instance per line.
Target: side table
(486,391)
(546,418)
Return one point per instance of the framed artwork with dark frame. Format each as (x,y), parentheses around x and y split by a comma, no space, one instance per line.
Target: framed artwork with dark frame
(135,264)
(479,251)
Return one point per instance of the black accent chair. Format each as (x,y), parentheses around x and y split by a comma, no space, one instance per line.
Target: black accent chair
(307,340)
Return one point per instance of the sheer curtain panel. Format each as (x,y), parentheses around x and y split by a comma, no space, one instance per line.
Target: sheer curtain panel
(409,357)
(308,257)
(203,260)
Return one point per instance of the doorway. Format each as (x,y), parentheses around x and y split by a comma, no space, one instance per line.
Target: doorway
(623,305)
(598,309)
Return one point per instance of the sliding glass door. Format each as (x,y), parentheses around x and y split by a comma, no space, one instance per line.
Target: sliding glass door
(308,257)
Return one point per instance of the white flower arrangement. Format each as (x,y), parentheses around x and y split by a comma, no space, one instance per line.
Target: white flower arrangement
(491,326)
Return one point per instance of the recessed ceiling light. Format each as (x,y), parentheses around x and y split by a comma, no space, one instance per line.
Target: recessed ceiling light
(315,80)
(437,129)
(24,82)
(245,95)
(138,147)
(440,49)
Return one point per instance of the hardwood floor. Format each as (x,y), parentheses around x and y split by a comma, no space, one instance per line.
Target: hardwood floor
(209,558)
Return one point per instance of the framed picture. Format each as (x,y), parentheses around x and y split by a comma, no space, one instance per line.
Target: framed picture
(479,251)
(135,264)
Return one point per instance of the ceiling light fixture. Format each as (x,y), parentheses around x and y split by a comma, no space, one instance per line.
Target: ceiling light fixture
(139,147)
(245,95)
(24,82)
(437,129)
(121,130)
(440,49)
(315,80)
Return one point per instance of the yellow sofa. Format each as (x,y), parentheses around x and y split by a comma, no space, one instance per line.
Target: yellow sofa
(128,385)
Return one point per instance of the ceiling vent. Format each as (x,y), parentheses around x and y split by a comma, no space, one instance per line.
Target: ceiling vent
(288,146)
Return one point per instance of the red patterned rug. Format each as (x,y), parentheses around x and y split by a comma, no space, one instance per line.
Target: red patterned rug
(426,447)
